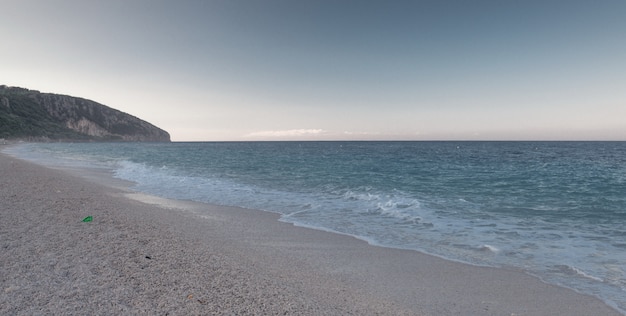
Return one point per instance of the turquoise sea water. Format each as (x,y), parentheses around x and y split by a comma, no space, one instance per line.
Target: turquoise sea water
(554,209)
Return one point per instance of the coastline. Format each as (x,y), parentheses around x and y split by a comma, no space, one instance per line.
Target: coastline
(144,254)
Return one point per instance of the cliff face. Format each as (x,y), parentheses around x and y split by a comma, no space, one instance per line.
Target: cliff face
(30,114)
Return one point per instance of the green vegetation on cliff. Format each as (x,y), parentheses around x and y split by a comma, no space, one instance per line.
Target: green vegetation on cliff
(22,117)
(29,114)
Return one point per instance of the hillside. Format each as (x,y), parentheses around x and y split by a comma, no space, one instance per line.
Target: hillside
(32,115)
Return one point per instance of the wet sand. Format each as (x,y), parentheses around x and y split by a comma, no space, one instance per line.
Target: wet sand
(146,255)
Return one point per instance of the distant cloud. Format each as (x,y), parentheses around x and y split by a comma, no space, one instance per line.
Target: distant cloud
(360,133)
(287,133)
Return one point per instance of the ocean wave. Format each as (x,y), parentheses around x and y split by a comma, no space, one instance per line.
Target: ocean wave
(570,270)
(489,248)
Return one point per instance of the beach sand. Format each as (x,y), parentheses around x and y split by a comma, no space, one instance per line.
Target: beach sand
(147,255)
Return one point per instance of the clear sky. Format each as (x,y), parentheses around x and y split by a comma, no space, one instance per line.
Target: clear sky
(329,70)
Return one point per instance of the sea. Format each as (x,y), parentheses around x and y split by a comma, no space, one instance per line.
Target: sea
(556,210)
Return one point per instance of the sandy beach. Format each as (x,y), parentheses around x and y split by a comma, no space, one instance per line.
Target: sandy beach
(151,256)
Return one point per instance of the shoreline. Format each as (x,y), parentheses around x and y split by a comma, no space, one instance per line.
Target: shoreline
(144,254)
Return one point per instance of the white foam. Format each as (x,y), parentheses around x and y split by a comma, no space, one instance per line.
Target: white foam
(490,248)
(586,275)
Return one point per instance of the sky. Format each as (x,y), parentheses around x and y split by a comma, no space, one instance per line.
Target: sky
(231,70)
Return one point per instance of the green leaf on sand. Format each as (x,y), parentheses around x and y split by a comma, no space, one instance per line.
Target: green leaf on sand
(87,219)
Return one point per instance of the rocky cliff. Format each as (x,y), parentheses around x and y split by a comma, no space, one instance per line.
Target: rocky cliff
(30,114)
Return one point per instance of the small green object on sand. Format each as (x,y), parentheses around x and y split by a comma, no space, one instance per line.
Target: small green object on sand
(87,219)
